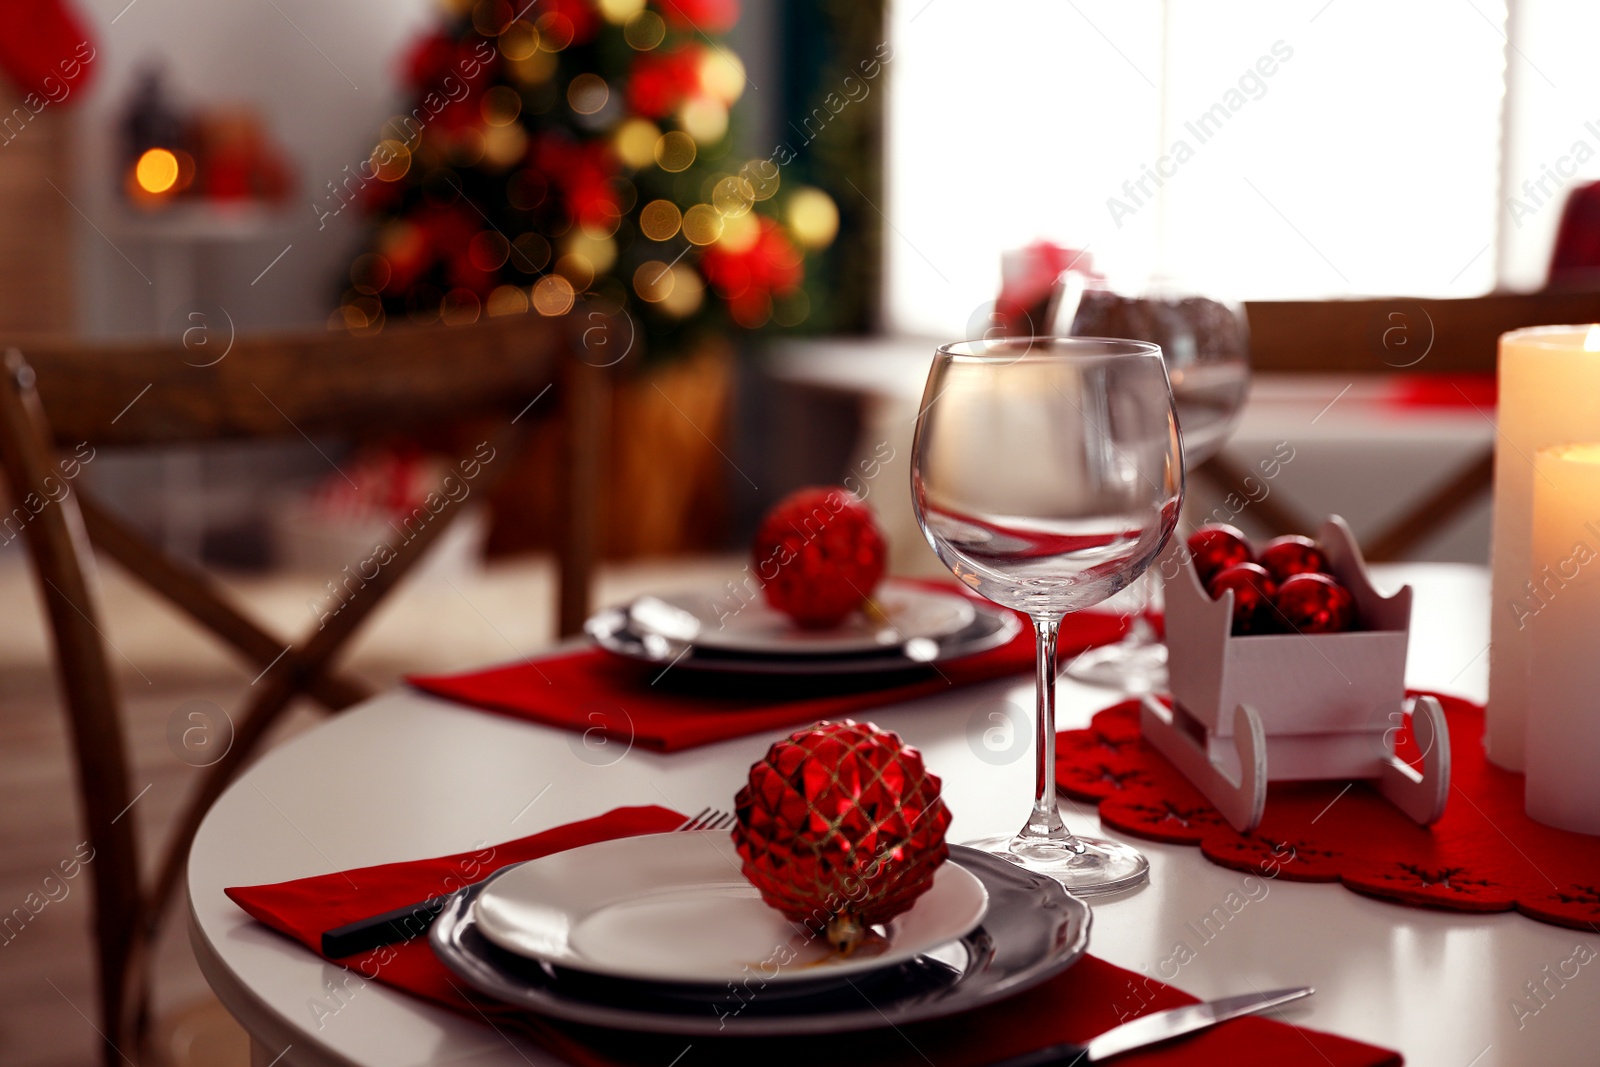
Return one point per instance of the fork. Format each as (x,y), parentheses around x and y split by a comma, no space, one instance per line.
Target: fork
(706,819)
(413,920)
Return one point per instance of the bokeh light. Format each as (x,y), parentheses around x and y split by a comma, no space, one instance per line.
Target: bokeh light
(722,75)
(644,31)
(620,11)
(391,159)
(507,300)
(552,295)
(488,250)
(577,269)
(599,252)
(688,292)
(704,119)
(530,252)
(653,281)
(702,224)
(588,93)
(635,142)
(659,220)
(675,151)
(555,32)
(762,174)
(739,233)
(519,41)
(500,105)
(156,171)
(733,197)
(813,217)
(460,307)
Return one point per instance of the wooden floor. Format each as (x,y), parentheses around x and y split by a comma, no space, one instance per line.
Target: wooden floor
(47,1008)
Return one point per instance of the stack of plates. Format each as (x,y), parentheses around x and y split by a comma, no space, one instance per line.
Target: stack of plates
(663,934)
(721,632)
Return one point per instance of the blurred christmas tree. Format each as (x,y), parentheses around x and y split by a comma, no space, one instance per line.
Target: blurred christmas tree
(576,156)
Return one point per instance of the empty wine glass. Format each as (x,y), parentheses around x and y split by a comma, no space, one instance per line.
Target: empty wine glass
(1047,473)
(1207,349)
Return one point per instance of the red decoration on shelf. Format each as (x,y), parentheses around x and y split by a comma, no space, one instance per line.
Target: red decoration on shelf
(1217,547)
(841,827)
(1253,590)
(1314,604)
(819,555)
(1284,557)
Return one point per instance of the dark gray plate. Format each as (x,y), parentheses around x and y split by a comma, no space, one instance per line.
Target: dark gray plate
(993,627)
(1032,931)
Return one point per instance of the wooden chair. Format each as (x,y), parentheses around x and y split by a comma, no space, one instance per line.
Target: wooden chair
(495,375)
(1359,337)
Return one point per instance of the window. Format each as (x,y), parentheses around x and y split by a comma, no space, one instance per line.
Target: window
(1254,149)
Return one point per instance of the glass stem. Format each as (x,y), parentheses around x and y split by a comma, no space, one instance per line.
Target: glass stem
(1045,822)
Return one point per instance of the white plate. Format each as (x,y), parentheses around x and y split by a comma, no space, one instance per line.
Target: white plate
(675,908)
(731,625)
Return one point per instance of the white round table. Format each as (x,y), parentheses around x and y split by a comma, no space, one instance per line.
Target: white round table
(408,776)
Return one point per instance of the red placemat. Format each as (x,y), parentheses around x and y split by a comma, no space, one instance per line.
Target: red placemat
(667,710)
(1484,855)
(1090,997)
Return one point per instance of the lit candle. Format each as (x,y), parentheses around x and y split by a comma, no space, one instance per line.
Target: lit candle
(1563,723)
(1549,395)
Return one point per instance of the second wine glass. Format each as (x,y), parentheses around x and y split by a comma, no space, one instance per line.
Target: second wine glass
(1047,473)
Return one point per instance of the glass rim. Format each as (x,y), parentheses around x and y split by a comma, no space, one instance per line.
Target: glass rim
(1046,347)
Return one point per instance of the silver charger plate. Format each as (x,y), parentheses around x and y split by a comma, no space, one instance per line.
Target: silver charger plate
(1032,931)
(991,627)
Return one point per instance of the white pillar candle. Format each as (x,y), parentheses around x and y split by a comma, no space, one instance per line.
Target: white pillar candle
(1549,395)
(1563,723)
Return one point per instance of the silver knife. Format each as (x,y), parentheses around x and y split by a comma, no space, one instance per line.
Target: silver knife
(1153,1029)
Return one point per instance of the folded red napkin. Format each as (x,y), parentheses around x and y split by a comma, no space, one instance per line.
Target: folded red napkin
(1087,999)
(667,710)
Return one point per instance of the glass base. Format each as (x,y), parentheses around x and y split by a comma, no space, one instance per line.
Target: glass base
(1085,866)
(1130,667)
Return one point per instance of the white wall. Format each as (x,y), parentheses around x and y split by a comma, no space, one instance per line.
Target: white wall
(265,52)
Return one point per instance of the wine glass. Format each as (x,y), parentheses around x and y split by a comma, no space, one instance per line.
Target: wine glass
(1047,473)
(1207,349)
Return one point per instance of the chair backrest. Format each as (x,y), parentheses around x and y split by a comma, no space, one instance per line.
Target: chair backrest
(215,387)
(59,546)
(1391,334)
(146,393)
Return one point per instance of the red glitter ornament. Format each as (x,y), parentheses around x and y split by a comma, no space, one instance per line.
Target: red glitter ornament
(1253,589)
(819,555)
(1284,557)
(1314,604)
(1215,548)
(841,828)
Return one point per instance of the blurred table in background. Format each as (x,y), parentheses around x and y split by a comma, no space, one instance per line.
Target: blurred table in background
(1369,447)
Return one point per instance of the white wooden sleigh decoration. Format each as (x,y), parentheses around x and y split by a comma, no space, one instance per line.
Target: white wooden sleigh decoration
(1288,707)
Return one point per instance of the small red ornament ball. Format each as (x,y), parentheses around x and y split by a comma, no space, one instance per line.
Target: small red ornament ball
(1314,604)
(1253,590)
(819,554)
(841,827)
(1284,557)
(1215,548)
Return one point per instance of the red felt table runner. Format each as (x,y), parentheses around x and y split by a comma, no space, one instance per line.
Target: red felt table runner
(1485,854)
(1090,997)
(606,696)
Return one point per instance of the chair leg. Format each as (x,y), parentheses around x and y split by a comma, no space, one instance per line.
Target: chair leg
(585,417)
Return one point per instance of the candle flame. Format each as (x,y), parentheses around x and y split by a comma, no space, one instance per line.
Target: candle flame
(1591,343)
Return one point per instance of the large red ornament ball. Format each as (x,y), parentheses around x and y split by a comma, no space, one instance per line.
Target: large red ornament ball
(841,827)
(1314,604)
(1215,548)
(1284,557)
(819,555)
(1253,590)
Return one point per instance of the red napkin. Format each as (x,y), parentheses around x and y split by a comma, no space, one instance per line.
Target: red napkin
(1090,997)
(668,710)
